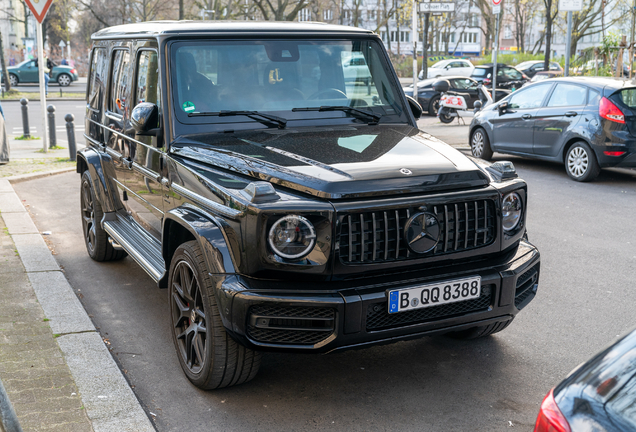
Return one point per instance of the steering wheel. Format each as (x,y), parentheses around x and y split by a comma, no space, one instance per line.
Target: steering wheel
(334,91)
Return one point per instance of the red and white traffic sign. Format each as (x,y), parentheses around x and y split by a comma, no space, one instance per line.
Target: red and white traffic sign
(496,2)
(41,7)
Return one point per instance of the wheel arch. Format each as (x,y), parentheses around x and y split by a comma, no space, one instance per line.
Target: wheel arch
(569,143)
(187,223)
(90,160)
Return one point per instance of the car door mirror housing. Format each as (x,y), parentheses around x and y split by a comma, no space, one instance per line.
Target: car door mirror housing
(416,108)
(144,117)
(503,108)
(477,106)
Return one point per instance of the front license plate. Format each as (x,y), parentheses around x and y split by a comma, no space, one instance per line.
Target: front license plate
(434,294)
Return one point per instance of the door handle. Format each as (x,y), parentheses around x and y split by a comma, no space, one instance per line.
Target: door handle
(571,114)
(526,116)
(128,163)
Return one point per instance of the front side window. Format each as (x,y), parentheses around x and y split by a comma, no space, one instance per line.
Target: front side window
(278,76)
(567,95)
(529,98)
(148,84)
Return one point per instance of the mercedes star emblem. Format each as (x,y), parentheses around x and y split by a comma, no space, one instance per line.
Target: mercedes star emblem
(406,171)
(422,232)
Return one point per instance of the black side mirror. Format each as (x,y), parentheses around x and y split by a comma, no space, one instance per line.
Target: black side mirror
(144,119)
(477,106)
(416,108)
(503,108)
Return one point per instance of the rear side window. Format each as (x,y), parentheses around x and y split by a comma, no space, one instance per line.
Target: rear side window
(628,97)
(594,97)
(567,95)
(479,72)
(120,82)
(97,78)
(529,98)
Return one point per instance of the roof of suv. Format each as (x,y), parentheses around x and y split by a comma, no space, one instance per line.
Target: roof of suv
(155,28)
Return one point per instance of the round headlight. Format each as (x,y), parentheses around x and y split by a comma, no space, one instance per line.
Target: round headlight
(292,237)
(511,210)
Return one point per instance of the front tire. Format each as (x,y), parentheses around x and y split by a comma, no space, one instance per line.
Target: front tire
(209,357)
(580,163)
(95,238)
(64,80)
(480,145)
(433,106)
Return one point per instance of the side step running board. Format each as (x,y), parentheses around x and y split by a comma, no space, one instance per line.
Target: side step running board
(141,247)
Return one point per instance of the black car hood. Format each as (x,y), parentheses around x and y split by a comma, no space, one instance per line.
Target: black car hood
(338,162)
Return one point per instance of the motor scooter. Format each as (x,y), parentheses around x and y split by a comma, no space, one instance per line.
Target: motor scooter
(453,101)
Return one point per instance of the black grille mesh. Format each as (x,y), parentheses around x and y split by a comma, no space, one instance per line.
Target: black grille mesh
(525,285)
(292,311)
(373,237)
(296,337)
(379,319)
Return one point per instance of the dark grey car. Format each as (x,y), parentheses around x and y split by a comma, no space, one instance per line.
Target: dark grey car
(585,123)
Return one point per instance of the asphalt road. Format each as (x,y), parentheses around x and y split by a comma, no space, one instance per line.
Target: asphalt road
(586,236)
(13,118)
(78,86)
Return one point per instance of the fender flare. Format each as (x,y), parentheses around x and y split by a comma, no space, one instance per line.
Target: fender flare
(89,159)
(209,232)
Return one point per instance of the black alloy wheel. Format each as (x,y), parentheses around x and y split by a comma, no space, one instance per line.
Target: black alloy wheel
(95,237)
(209,357)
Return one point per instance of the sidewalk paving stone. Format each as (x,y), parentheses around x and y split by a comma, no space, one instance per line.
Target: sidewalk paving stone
(34,253)
(19,223)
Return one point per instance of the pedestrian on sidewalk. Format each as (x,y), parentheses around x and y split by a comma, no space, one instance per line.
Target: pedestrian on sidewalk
(4,143)
(48,67)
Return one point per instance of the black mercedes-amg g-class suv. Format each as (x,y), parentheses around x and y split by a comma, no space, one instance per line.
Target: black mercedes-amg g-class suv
(286,206)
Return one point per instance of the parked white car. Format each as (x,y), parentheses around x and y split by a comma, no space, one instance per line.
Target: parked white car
(449,67)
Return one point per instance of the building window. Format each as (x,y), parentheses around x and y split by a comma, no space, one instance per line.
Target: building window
(327,15)
(304,15)
(392,36)
(405,36)
(347,14)
(451,39)
(383,34)
(507,32)
(473,20)
(371,15)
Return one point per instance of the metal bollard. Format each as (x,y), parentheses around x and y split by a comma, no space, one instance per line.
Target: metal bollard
(26,132)
(52,139)
(70,134)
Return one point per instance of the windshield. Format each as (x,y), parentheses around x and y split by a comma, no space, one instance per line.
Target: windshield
(276,76)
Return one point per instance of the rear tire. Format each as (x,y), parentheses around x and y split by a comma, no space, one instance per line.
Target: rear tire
(580,162)
(95,238)
(64,80)
(209,357)
(13,79)
(479,331)
(480,145)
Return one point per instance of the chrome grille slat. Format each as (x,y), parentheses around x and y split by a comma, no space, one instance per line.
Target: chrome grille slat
(463,222)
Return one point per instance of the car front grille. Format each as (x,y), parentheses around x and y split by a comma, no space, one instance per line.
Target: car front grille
(378,317)
(290,324)
(378,236)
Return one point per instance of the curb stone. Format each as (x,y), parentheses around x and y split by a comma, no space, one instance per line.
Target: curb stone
(110,403)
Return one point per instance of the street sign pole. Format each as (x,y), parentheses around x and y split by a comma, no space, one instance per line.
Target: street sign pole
(494,55)
(414,33)
(41,66)
(568,45)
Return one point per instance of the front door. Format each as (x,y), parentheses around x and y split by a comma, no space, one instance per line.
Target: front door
(513,129)
(562,112)
(145,203)
(29,72)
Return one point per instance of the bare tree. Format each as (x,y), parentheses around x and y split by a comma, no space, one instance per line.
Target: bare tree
(550,15)
(3,63)
(281,10)
(523,12)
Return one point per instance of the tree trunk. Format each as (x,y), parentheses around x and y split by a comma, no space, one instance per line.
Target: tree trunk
(180,9)
(3,63)
(425,46)
(548,33)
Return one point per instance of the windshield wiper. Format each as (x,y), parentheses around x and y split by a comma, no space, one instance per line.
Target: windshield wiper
(358,113)
(264,118)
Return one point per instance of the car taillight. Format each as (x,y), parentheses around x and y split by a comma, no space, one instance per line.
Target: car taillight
(611,112)
(550,418)
(73,71)
(613,153)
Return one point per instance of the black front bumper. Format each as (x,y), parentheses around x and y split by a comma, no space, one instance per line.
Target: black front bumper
(327,320)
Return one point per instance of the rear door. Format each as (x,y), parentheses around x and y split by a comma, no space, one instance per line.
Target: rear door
(553,122)
(513,130)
